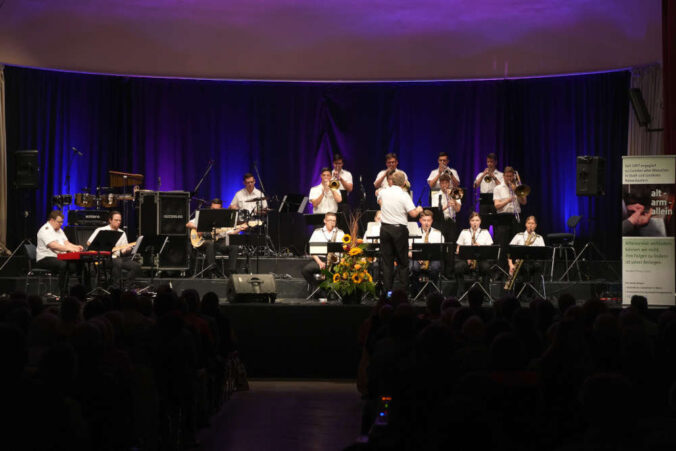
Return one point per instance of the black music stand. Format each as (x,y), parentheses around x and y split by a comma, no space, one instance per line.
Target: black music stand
(429,251)
(293,203)
(531,253)
(247,240)
(373,250)
(325,248)
(104,241)
(479,253)
(215,218)
(503,220)
(155,246)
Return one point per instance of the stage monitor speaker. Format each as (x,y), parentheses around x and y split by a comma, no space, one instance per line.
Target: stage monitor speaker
(174,210)
(252,288)
(640,108)
(591,176)
(26,169)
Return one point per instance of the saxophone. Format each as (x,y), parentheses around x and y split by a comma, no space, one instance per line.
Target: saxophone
(426,263)
(519,263)
(472,263)
(332,257)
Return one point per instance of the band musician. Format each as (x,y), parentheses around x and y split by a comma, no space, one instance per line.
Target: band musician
(506,202)
(486,181)
(434,178)
(429,235)
(529,269)
(210,245)
(51,241)
(323,198)
(391,163)
(474,236)
(395,207)
(327,234)
(245,198)
(122,256)
(450,206)
(345,183)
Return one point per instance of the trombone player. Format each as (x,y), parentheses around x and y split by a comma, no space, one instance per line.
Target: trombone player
(508,197)
(450,201)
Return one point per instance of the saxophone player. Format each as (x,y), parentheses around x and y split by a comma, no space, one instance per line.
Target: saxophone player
(474,236)
(327,234)
(429,235)
(528,269)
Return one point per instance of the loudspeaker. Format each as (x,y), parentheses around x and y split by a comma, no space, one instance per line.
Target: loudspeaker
(147,218)
(26,169)
(174,208)
(252,288)
(591,176)
(174,256)
(640,108)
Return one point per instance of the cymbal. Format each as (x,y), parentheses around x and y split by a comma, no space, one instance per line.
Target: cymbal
(257,199)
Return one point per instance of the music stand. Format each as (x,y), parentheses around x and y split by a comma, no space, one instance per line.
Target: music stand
(372,231)
(479,253)
(428,251)
(215,218)
(531,253)
(104,241)
(293,203)
(247,240)
(151,244)
(324,248)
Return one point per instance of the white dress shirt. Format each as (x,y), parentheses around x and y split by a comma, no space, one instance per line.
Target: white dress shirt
(520,240)
(394,206)
(322,235)
(47,235)
(502,192)
(483,238)
(434,174)
(328,203)
(242,196)
(435,236)
(486,187)
(345,175)
(448,212)
(121,242)
(384,182)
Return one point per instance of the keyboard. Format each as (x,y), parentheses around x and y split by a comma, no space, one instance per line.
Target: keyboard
(84,256)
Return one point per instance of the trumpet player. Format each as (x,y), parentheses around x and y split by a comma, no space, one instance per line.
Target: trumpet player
(391,163)
(474,236)
(487,180)
(327,234)
(433,179)
(343,177)
(507,202)
(324,198)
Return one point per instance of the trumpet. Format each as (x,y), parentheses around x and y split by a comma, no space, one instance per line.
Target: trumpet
(334,184)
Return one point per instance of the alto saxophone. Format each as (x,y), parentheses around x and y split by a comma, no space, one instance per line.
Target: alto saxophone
(509,284)
(332,257)
(472,263)
(426,263)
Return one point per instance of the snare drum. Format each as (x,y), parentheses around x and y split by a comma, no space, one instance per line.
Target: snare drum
(85,200)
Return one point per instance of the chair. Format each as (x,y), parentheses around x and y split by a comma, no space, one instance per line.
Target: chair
(38,274)
(563,243)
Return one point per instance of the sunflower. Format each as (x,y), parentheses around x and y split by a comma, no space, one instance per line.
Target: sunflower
(347,239)
(355,251)
(368,276)
(357,278)
(336,278)
(345,276)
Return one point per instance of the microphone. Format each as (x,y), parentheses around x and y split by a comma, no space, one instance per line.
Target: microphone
(159,182)
(76,151)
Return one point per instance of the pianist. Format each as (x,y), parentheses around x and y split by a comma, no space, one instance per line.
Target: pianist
(52,241)
(122,258)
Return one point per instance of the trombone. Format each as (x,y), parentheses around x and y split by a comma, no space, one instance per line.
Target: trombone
(521,190)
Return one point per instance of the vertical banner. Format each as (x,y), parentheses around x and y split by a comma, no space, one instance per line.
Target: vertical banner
(648,263)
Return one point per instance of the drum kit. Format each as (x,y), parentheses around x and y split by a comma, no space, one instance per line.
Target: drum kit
(88,200)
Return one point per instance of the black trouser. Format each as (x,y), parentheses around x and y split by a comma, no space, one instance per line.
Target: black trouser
(118,264)
(462,268)
(394,247)
(450,235)
(529,272)
(210,248)
(486,210)
(61,267)
(309,271)
(504,232)
(433,270)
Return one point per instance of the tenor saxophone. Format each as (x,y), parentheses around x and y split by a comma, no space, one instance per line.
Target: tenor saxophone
(509,284)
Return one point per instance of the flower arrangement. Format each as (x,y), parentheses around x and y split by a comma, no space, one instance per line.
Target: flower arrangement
(350,275)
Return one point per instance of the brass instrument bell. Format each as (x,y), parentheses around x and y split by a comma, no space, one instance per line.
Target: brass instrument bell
(457,193)
(334,184)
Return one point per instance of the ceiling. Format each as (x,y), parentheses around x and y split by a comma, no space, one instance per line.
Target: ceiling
(331,39)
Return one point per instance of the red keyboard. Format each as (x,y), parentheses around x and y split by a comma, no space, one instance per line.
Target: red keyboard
(84,256)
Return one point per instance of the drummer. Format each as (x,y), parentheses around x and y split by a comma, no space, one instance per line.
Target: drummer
(249,198)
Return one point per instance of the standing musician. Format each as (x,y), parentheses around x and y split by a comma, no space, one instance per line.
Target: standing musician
(52,240)
(506,201)
(474,236)
(450,207)
(429,235)
(395,206)
(433,179)
(121,257)
(327,234)
(528,268)
(323,198)
(344,179)
(392,162)
(487,181)
(217,243)
(243,199)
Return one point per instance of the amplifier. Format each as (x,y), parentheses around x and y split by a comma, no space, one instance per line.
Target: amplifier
(94,218)
(163,213)
(252,288)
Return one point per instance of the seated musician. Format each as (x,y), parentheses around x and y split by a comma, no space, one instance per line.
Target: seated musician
(529,268)
(429,235)
(326,234)
(474,236)
(323,198)
(52,240)
(122,256)
(216,244)
(245,199)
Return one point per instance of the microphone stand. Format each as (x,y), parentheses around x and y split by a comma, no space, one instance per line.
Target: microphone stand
(422,193)
(197,187)
(362,193)
(71,158)
(259,206)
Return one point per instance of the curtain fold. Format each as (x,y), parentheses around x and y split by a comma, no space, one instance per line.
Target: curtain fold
(3,161)
(640,141)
